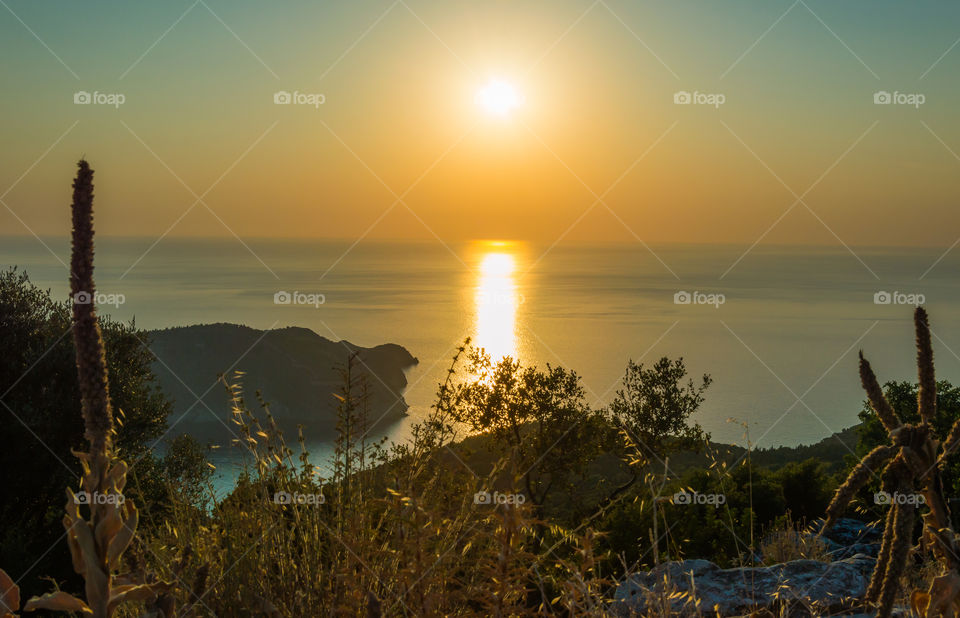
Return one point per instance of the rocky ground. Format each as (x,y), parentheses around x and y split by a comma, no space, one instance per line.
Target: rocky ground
(807,587)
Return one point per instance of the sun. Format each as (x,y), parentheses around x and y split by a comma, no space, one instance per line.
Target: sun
(499,98)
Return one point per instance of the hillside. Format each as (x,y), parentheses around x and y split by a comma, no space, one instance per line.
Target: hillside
(831,451)
(295,369)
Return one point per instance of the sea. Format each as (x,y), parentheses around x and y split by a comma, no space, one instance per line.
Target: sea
(778,328)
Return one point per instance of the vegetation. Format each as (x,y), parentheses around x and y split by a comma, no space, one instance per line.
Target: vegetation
(756,501)
(902,397)
(909,466)
(542,510)
(539,420)
(654,407)
(40,411)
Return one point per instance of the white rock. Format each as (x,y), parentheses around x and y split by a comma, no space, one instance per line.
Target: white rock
(819,585)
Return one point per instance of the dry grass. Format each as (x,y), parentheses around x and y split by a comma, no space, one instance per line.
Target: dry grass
(790,540)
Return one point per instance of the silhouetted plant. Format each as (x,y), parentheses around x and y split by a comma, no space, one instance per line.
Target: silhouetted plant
(538,416)
(98,540)
(903,398)
(42,421)
(910,464)
(655,406)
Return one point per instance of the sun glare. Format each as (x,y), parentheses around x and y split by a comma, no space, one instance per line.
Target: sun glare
(499,98)
(497,301)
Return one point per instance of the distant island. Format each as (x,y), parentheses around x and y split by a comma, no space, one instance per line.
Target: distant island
(295,369)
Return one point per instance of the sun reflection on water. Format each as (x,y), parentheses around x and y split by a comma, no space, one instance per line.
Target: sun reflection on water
(497,300)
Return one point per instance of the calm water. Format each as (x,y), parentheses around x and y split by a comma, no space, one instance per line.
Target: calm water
(781,347)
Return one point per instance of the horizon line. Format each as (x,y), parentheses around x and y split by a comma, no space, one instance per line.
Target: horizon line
(462,241)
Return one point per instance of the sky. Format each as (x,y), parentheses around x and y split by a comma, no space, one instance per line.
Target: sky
(784,140)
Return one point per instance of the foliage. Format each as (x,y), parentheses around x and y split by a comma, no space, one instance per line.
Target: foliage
(807,488)
(655,406)
(753,496)
(40,412)
(180,473)
(395,533)
(537,417)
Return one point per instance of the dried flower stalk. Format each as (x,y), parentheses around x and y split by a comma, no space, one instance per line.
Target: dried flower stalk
(97,542)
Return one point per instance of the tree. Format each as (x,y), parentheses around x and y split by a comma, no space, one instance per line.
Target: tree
(654,407)
(538,416)
(41,420)
(807,488)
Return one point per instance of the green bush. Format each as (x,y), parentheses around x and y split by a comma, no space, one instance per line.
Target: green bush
(40,413)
